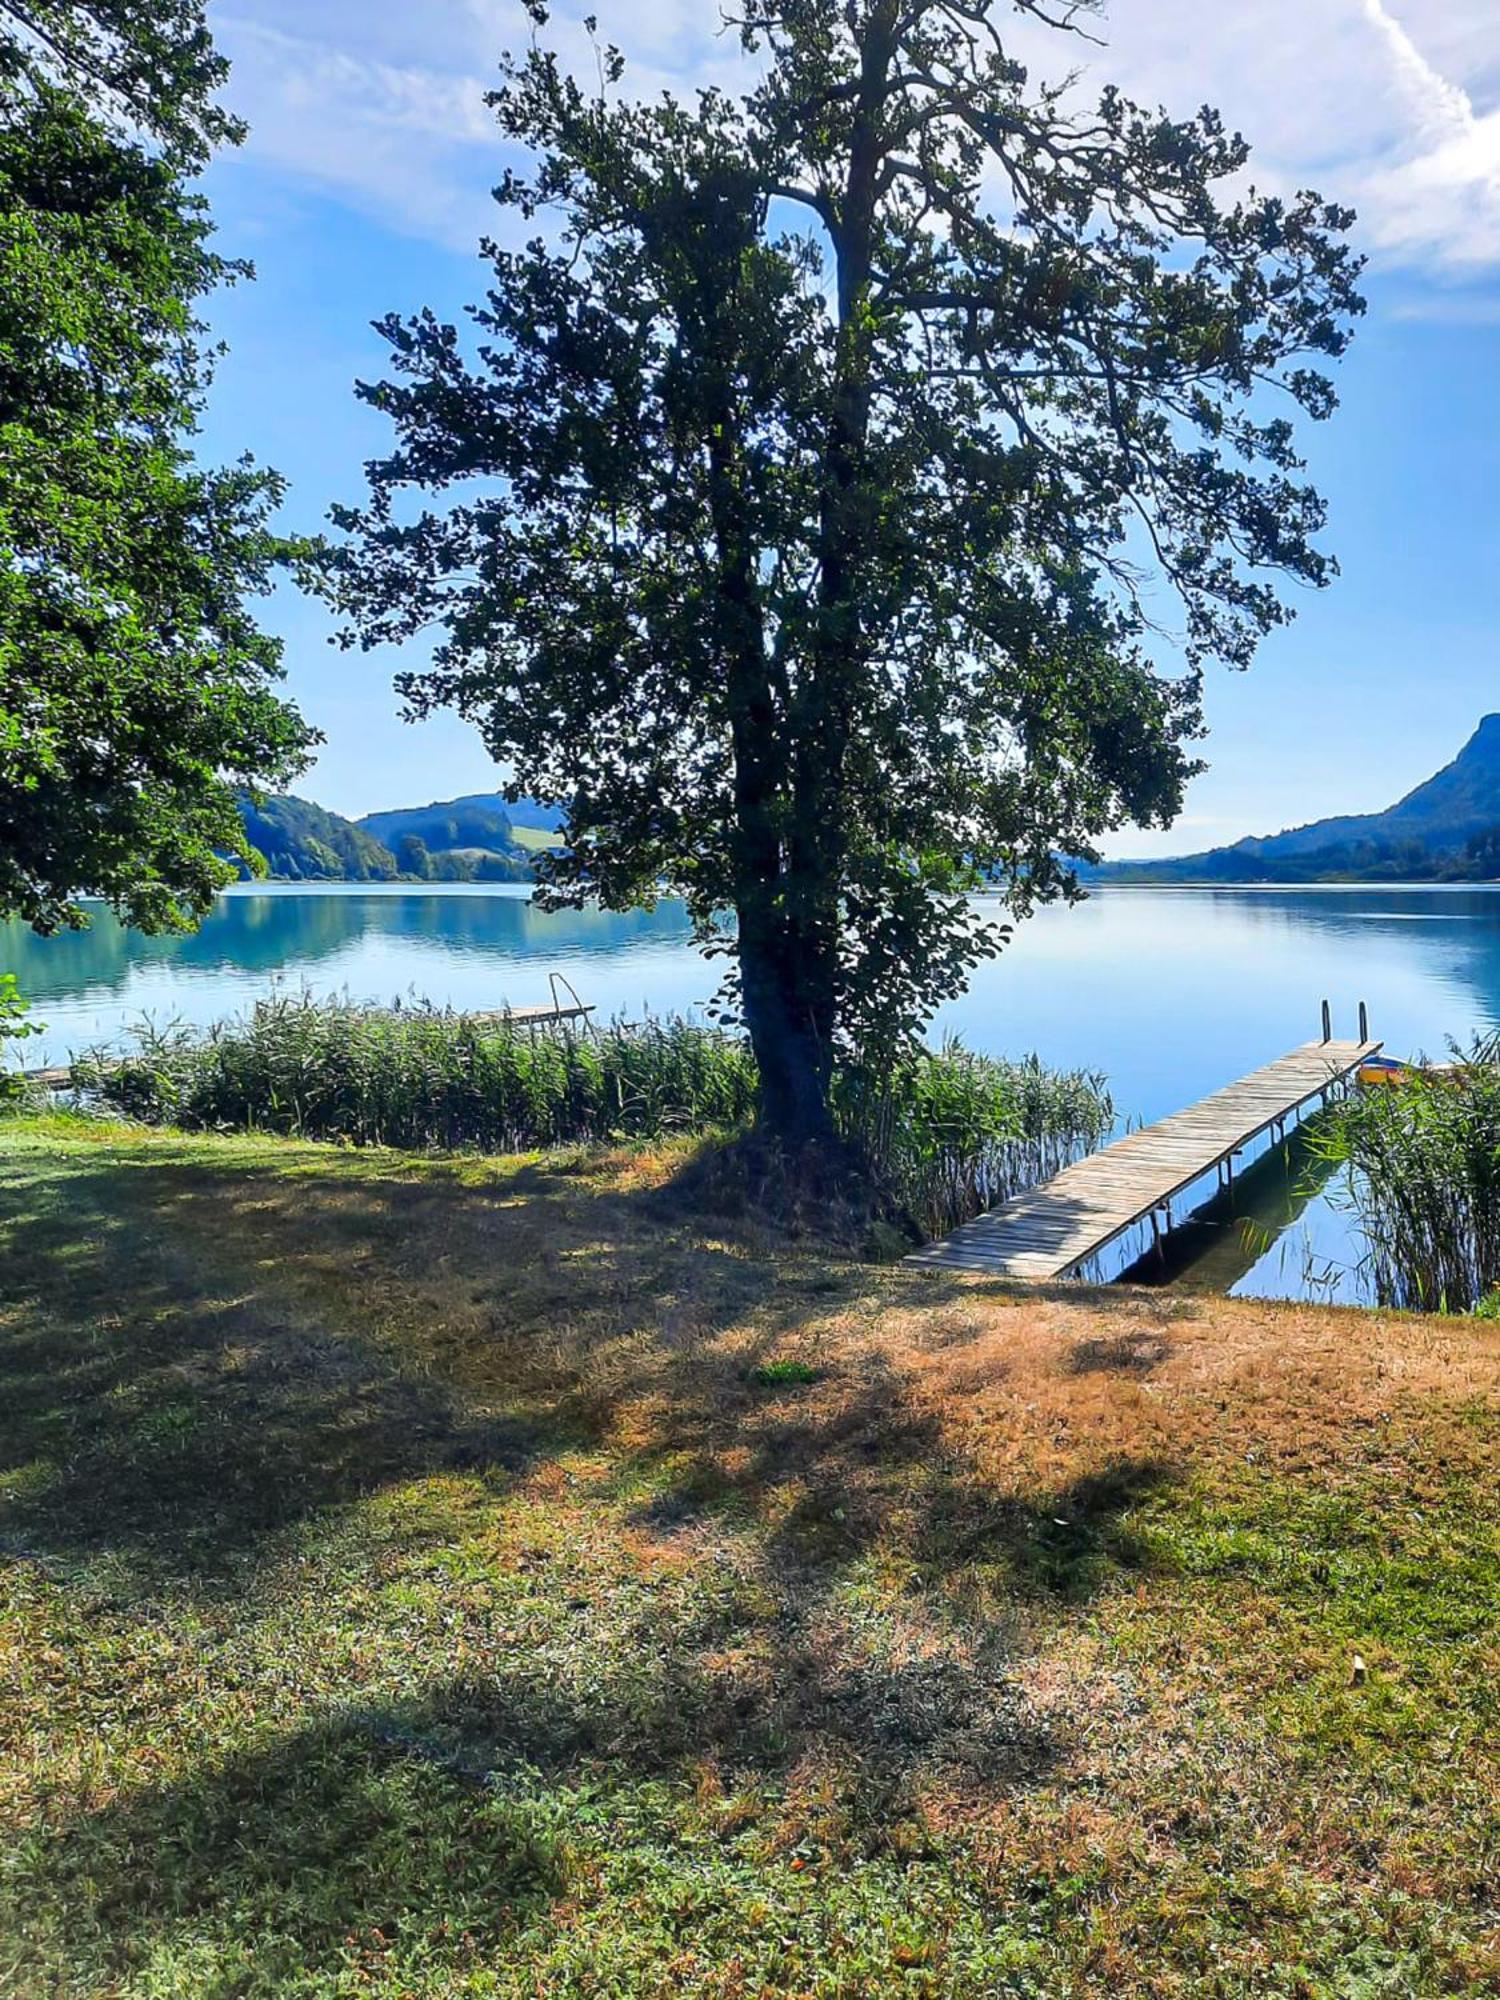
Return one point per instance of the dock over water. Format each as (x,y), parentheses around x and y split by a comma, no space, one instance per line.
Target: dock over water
(1052,1229)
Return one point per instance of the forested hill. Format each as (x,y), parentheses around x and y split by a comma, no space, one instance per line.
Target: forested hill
(478,819)
(303,842)
(1448,827)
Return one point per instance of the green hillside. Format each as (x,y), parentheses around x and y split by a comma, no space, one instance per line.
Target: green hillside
(477,820)
(304,842)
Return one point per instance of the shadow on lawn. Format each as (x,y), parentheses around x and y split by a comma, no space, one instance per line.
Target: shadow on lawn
(163,1408)
(195,1356)
(198,1354)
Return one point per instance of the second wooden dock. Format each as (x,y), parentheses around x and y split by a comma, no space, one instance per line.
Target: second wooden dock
(1052,1229)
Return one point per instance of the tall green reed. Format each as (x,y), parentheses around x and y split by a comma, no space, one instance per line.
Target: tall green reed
(1425,1181)
(947,1132)
(952,1132)
(323,1069)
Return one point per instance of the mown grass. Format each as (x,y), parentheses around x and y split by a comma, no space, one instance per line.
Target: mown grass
(485,1578)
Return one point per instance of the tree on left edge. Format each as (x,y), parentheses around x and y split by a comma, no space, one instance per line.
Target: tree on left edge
(138,695)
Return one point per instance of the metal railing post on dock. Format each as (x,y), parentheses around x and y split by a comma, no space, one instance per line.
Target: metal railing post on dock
(1364,1022)
(1327,1022)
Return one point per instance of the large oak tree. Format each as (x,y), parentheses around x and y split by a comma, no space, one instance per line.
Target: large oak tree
(137,692)
(796,500)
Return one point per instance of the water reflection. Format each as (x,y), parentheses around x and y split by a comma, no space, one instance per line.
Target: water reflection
(269,932)
(1232,1235)
(481,947)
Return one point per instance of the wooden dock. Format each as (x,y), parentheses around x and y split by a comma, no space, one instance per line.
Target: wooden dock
(1050,1230)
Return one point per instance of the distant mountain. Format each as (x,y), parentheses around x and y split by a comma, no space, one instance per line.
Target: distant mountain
(1449,826)
(477,820)
(303,842)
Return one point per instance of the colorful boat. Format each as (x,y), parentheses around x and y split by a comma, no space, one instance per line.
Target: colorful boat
(1379,1070)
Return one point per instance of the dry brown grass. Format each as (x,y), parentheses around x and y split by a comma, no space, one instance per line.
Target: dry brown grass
(1048,1600)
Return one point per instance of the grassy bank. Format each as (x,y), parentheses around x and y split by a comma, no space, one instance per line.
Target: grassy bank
(483,1578)
(948,1132)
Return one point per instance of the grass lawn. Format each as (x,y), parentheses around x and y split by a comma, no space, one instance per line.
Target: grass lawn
(472,1578)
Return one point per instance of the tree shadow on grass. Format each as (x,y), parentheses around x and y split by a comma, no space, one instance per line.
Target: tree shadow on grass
(163,1410)
(194,1357)
(349,1847)
(1139,1352)
(197,1354)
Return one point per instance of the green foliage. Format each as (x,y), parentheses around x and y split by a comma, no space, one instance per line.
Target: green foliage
(303,842)
(136,691)
(412,856)
(1426,1182)
(323,1070)
(954,1133)
(787,1374)
(789,494)
(14,1027)
(475,821)
(144,65)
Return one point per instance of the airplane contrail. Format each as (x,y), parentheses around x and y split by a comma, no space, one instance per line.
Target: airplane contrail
(1445,106)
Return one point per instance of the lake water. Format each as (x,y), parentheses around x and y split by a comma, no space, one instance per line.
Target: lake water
(1170,992)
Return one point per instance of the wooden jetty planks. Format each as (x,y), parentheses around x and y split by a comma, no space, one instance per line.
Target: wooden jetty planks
(1050,1230)
(531,1017)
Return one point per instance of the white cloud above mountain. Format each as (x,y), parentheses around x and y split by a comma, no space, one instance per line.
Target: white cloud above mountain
(1390,105)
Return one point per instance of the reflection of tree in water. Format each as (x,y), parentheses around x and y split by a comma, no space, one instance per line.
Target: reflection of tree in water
(1223,1239)
(294,933)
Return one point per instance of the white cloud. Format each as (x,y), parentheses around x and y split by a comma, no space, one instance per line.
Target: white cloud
(1391,105)
(405,142)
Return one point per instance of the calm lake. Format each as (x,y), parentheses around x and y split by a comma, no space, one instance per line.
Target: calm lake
(1171,992)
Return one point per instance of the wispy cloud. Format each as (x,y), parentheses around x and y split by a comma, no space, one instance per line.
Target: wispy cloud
(1443,106)
(1378,102)
(402,141)
(1439,203)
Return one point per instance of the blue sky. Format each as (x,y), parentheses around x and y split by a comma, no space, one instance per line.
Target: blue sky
(364,189)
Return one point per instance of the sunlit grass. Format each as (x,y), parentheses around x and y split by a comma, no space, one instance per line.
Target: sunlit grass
(487,1578)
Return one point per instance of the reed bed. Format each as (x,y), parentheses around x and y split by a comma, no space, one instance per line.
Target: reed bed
(1425,1183)
(952,1132)
(947,1132)
(420,1079)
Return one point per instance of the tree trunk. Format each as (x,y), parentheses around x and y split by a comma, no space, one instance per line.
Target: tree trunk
(787,999)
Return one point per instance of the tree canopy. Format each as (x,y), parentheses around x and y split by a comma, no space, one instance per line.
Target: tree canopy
(796,499)
(136,690)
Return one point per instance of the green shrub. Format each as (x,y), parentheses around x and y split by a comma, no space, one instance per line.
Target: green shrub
(14,1027)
